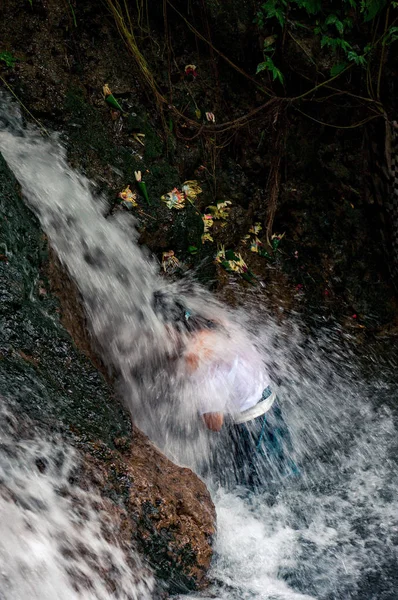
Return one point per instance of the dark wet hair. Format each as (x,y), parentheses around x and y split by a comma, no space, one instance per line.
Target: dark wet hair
(173,311)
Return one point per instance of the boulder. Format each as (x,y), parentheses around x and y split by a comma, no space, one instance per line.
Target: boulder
(54,384)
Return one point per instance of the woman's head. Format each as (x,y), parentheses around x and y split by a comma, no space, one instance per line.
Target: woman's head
(172,311)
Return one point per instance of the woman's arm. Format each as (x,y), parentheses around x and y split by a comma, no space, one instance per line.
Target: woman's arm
(213,421)
(201,351)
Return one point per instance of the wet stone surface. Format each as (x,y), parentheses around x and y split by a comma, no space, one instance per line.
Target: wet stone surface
(55,387)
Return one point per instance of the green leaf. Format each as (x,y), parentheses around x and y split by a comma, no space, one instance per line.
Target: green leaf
(333,20)
(261,67)
(339,26)
(111,100)
(356,58)
(337,69)
(275,9)
(311,6)
(343,44)
(268,65)
(371,8)
(8,58)
(277,74)
(326,40)
(259,19)
(392,35)
(348,24)
(330,20)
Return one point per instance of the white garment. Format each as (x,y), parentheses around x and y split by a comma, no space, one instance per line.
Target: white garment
(231,379)
(257,410)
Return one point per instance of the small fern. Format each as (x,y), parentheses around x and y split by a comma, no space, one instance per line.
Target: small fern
(333,20)
(272,9)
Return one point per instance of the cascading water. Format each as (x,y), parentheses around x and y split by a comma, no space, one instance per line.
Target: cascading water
(56,540)
(332,532)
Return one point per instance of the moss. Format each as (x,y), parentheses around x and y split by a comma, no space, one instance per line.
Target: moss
(187,229)
(41,368)
(91,143)
(85,130)
(171,568)
(153,144)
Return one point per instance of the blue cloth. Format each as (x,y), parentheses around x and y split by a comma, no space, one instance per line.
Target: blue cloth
(256,454)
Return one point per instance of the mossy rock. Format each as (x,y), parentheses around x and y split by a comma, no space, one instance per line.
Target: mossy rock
(187,229)
(40,367)
(53,386)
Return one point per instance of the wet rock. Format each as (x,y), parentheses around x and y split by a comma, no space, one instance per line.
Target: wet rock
(168,510)
(173,529)
(163,508)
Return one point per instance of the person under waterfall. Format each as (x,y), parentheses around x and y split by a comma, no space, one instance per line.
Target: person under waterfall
(233,393)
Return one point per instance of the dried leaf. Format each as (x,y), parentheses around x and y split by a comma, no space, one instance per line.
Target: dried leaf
(169,261)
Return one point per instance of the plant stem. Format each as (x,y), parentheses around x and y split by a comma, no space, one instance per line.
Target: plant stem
(383,48)
(24,107)
(359,124)
(317,87)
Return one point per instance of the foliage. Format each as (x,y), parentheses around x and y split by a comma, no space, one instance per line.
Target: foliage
(268,65)
(335,25)
(8,58)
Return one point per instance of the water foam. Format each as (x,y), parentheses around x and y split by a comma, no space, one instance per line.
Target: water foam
(333,532)
(56,539)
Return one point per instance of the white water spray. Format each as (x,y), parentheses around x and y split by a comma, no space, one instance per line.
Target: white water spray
(56,539)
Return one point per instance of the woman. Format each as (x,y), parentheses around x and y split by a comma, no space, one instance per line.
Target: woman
(226,379)
(236,399)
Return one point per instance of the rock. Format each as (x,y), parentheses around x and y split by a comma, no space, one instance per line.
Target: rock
(167,509)
(164,509)
(176,514)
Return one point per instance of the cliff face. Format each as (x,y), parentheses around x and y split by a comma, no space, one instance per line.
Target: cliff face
(162,509)
(335,232)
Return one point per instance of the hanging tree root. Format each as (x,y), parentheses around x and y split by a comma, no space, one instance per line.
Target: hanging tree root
(274,177)
(220,135)
(125,27)
(124,23)
(273,186)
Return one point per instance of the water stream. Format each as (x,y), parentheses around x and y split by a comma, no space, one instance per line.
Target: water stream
(56,540)
(330,534)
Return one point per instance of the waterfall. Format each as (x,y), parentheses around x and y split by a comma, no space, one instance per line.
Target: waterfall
(329,534)
(56,540)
